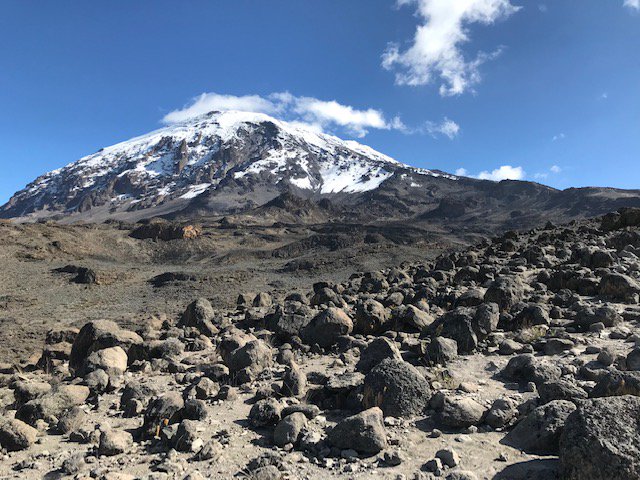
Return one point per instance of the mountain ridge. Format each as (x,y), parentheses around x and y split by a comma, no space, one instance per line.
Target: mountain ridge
(184,160)
(236,163)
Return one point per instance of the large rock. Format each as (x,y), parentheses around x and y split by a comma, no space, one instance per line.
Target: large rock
(364,432)
(16,435)
(53,405)
(416,319)
(162,411)
(616,383)
(200,315)
(254,356)
(165,231)
(530,316)
(99,335)
(294,382)
(502,411)
(526,368)
(24,391)
(266,412)
(505,292)
(458,325)
(601,440)
(378,350)
(114,442)
(371,317)
(460,412)
(112,360)
(620,287)
(539,433)
(325,328)
(561,390)
(441,351)
(289,428)
(397,388)
(288,321)
(624,217)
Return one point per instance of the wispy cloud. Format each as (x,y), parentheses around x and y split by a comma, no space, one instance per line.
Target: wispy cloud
(560,136)
(504,172)
(208,102)
(446,127)
(554,169)
(318,115)
(633,4)
(436,51)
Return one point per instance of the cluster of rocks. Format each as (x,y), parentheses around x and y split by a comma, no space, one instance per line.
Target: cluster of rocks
(336,377)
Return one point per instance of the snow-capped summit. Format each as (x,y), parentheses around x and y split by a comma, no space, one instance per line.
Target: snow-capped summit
(239,159)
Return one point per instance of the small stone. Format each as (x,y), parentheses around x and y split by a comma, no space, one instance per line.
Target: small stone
(434,466)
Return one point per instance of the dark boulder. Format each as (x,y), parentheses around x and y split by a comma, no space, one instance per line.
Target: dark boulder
(601,440)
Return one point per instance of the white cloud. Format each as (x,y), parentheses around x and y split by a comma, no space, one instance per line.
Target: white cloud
(605,95)
(208,102)
(543,8)
(446,127)
(560,136)
(318,115)
(436,51)
(555,169)
(324,114)
(505,172)
(634,4)
(312,113)
(540,176)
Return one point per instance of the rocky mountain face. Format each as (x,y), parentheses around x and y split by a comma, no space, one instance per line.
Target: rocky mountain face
(241,160)
(264,170)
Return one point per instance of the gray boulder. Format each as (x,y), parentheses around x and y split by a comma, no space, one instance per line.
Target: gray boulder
(200,315)
(601,440)
(161,411)
(370,317)
(325,328)
(617,383)
(378,350)
(98,335)
(527,368)
(540,431)
(114,442)
(397,388)
(505,292)
(364,432)
(460,412)
(289,428)
(441,351)
(266,412)
(16,435)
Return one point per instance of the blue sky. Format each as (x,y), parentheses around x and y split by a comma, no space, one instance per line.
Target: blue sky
(549,88)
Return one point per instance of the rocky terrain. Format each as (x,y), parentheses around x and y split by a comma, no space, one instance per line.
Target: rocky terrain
(515,358)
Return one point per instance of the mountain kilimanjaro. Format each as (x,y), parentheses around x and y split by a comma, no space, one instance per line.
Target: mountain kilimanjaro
(225,163)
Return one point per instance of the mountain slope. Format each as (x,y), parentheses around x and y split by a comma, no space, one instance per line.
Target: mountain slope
(221,150)
(253,166)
